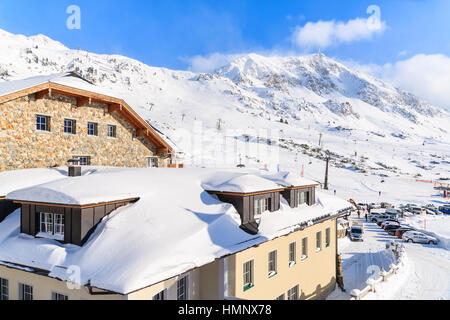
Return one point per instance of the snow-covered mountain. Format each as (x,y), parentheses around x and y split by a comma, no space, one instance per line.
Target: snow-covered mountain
(367,125)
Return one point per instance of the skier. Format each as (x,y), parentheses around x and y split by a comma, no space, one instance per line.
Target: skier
(365,215)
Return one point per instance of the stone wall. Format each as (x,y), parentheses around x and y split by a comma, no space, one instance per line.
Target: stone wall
(22,146)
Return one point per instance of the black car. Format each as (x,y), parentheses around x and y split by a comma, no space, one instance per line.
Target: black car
(392,229)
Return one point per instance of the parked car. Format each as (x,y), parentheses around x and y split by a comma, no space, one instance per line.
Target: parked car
(415,210)
(392,228)
(356,233)
(386,223)
(386,205)
(374,206)
(400,231)
(445,209)
(379,218)
(418,237)
(429,211)
(377,212)
(384,218)
(435,210)
(392,211)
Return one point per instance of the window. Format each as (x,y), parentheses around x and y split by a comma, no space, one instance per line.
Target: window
(160,296)
(293,293)
(318,241)
(42,123)
(248,275)
(327,237)
(292,254)
(25,292)
(92,129)
(59,297)
(69,126)
(152,162)
(182,288)
(272,263)
(52,225)
(282,297)
(304,248)
(59,224)
(4,289)
(261,205)
(112,131)
(84,160)
(303,197)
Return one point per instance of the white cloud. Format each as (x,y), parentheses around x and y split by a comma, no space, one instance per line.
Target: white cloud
(402,53)
(211,62)
(323,34)
(426,76)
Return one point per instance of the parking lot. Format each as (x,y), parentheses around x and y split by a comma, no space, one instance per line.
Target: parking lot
(428,271)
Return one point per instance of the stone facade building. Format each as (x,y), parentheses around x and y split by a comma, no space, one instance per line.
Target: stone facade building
(47,120)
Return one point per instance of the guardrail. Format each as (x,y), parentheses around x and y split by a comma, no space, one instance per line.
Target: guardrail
(384,276)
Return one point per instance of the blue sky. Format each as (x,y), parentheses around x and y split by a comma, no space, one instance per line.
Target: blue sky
(173,33)
(165,33)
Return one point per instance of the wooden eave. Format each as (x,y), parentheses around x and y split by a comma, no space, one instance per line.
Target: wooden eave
(85,96)
(2,198)
(302,187)
(241,194)
(74,206)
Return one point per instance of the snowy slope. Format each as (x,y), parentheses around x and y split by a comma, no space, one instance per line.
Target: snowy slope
(370,128)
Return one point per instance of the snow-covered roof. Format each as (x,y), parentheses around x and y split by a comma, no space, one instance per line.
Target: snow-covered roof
(289,179)
(95,186)
(20,179)
(66,78)
(237,182)
(174,227)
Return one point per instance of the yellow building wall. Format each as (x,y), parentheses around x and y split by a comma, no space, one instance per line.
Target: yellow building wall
(43,286)
(170,288)
(315,275)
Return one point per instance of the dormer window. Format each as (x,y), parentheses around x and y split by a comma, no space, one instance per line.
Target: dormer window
(303,197)
(261,205)
(52,226)
(65,223)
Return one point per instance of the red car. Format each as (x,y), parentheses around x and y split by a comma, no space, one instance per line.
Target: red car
(400,231)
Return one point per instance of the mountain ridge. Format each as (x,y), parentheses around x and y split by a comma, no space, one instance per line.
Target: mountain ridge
(298,97)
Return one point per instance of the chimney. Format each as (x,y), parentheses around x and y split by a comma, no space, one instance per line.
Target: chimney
(74,167)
